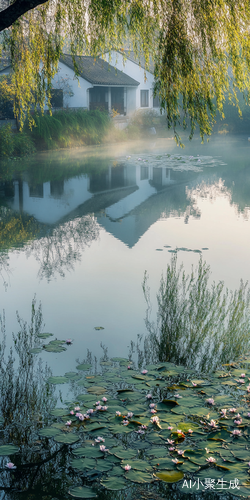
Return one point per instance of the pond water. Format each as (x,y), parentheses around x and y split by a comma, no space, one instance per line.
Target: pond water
(97,218)
(79,230)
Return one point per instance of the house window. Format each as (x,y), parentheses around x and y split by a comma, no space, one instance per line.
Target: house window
(156,102)
(56,98)
(144,98)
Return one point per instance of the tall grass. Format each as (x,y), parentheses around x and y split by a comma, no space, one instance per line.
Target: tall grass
(198,325)
(66,128)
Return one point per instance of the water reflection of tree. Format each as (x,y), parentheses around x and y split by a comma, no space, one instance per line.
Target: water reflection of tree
(62,247)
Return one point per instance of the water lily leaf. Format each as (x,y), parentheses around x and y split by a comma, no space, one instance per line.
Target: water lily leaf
(83,366)
(188,466)
(157,452)
(57,380)
(48,432)
(59,412)
(72,376)
(138,465)
(82,492)
(82,464)
(86,398)
(95,389)
(114,483)
(185,426)
(99,327)
(67,438)
(35,350)
(103,465)
(139,477)
(228,382)
(170,476)
(222,435)
(8,449)
(44,335)
(162,463)
(224,399)
(124,454)
(54,347)
(88,452)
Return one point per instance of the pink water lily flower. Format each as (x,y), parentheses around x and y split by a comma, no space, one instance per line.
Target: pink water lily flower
(118,413)
(81,417)
(190,431)
(98,403)
(223,412)
(125,422)
(232,410)
(77,408)
(104,408)
(172,448)
(127,467)
(242,375)
(68,423)
(213,424)
(130,414)
(140,431)
(144,372)
(241,380)
(236,432)
(103,448)
(248,415)
(194,384)
(170,441)
(149,396)
(72,412)
(238,422)
(170,428)
(177,396)
(210,401)
(99,439)
(152,405)
(129,367)
(144,426)
(180,452)
(10,465)
(68,341)
(153,411)
(90,410)
(98,407)
(104,399)
(154,420)
(211,460)
(175,460)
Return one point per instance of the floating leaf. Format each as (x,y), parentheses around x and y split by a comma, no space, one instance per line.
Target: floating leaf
(82,492)
(8,449)
(83,463)
(72,376)
(48,432)
(114,483)
(170,476)
(99,328)
(57,380)
(88,452)
(44,335)
(138,477)
(68,438)
(95,389)
(84,366)
(35,350)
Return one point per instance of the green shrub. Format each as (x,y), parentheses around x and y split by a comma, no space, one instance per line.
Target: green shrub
(65,128)
(6,141)
(198,325)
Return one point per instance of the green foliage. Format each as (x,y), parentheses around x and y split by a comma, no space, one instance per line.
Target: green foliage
(66,128)
(14,144)
(197,324)
(200,50)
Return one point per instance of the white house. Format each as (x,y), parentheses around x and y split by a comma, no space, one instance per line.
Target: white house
(130,65)
(114,85)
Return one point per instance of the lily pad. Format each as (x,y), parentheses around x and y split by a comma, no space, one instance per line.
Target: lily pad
(48,432)
(44,335)
(8,449)
(57,380)
(99,327)
(95,389)
(114,483)
(59,412)
(170,476)
(35,350)
(137,476)
(84,366)
(82,492)
(67,438)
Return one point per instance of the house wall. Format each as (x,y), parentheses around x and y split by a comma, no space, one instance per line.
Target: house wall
(80,90)
(133,70)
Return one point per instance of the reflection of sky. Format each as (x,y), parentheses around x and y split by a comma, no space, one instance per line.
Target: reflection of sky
(105,287)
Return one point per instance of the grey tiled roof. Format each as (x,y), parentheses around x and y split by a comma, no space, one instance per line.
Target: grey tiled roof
(99,72)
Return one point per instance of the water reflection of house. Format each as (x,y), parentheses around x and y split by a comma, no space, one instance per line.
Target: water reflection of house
(115,191)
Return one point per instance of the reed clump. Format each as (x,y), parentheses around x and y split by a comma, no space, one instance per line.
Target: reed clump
(198,325)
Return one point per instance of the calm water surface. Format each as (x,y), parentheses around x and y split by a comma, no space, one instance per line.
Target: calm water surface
(105,215)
